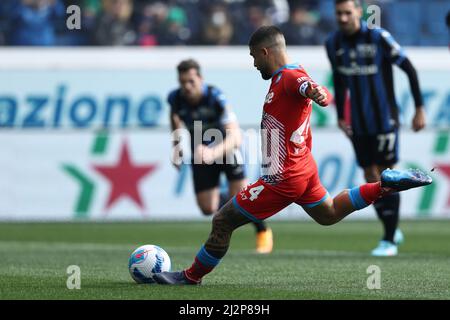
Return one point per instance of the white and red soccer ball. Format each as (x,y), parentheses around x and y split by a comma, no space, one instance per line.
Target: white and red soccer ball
(147,260)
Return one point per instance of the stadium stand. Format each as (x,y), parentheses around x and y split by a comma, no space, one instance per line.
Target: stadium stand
(201,22)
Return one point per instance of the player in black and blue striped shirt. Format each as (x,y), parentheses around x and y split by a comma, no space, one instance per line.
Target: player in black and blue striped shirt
(361,58)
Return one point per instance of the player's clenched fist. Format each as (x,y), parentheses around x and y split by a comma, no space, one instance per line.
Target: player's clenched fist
(318,94)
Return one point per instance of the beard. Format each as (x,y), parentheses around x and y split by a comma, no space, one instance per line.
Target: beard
(348,28)
(265,75)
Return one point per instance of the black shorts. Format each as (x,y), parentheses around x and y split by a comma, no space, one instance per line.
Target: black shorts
(208,176)
(380,149)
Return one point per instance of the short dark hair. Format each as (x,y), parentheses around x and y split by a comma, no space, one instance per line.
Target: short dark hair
(356,2)
(187,65)
(264,34)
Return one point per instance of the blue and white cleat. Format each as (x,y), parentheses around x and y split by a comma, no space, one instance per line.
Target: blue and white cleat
(399,180)
(398,237)
(385,249)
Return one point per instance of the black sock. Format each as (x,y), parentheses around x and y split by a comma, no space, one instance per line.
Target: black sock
(388,212)
(260,226)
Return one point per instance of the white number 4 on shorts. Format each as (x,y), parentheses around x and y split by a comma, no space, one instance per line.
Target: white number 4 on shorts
(254,192)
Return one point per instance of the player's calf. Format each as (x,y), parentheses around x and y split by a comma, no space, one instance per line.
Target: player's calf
(208,257)
(331,211)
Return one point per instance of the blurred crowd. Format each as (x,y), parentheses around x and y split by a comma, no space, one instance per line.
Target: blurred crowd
(172,22)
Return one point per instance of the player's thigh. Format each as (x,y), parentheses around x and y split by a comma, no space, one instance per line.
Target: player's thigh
(386,148)
(314,192)
(365,150)
(205,177)
(235,186)
(235,174)
(316,200)
(323,213)
(206,185)
(259,201)
(208,200)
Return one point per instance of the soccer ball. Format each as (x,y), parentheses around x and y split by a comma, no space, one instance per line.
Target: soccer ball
(147,260)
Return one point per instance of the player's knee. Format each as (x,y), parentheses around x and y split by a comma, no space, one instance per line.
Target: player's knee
(207,211)
(207,208)
(327,221)
(327,218)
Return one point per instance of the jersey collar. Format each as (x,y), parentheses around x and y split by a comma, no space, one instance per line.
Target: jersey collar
(289,66)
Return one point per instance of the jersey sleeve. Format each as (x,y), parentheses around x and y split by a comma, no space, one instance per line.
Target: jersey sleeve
(227,114)
(391,49)
(296,84)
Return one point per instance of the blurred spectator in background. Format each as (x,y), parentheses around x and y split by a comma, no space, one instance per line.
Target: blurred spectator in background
(162,24)
(34,22)
(217,27)
(113,27)
(153,26)
(206,22)
(301,28)
(174,31)
(279,11)
(91,9)
(255,16)
(447,20)
(4,10)
(146,33)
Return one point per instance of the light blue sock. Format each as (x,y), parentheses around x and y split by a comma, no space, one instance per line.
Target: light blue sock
(357,200)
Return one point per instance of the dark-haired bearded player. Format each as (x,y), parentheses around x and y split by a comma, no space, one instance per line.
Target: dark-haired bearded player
(290,172)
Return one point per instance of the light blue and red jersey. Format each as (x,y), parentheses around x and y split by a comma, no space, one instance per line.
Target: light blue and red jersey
(286,132)
(289,172)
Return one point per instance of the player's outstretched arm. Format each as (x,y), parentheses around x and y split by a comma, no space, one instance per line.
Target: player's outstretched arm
(318,94)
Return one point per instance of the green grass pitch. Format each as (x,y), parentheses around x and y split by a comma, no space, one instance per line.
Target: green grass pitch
(309,261)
